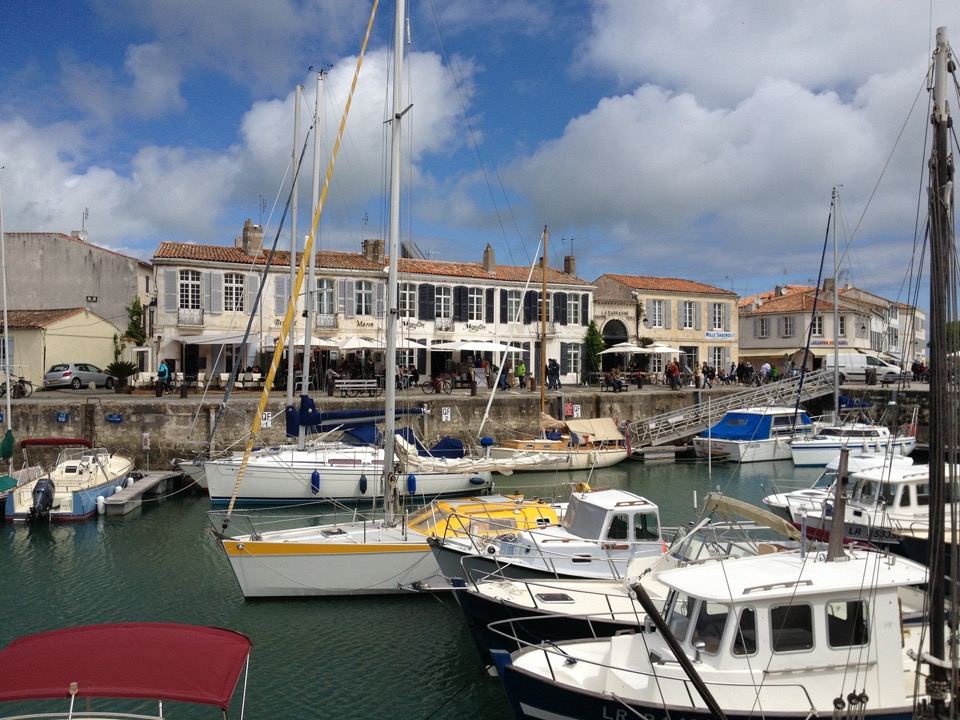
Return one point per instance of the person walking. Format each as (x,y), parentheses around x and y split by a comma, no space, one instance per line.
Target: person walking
(706,372)
(163,376)
(521,375)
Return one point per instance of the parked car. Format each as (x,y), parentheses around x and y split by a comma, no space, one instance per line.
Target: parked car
(854,367)
(76,376)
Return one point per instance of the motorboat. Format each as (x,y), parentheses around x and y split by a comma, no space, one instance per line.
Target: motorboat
(789,505)
(73,489)
(505,613)
(754,434)
(790,634)
(96,664)
(367,554)
(858,438)
(602,531)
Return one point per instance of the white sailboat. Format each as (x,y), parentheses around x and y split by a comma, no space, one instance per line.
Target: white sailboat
(373,553)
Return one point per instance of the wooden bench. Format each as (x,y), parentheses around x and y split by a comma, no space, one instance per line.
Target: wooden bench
(624,386)
(354,388)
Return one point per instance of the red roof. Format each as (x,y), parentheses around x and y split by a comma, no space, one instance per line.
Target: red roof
(153,661)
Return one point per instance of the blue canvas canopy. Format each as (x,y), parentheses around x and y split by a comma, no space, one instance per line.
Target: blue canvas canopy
(743,425)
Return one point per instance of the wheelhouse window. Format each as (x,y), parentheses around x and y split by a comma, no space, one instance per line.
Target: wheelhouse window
(745,640)
(710,626)
(407,300)
(847,623)
(791,628)
(475,304)
(233,292)
(190,289)
(645,526)
(363,297)
(443,302)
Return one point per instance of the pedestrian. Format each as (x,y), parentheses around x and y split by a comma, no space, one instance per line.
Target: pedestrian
(163,376)
(521,374)
(766,373)
(705,372)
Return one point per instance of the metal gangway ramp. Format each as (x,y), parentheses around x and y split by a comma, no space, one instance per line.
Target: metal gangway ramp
(694,419)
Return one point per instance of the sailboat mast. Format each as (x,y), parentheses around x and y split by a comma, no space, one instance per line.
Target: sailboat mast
(390,361)
(8,365)
(940,197)
(543,324)
(836,314)
(291,339)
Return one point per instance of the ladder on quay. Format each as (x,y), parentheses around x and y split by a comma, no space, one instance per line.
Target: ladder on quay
(694,419)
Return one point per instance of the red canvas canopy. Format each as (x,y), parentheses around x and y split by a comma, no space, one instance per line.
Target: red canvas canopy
(156,661)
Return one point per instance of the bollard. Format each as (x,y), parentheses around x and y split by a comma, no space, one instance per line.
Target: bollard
(184,388)
(473,388)
(159,388)
(533,383)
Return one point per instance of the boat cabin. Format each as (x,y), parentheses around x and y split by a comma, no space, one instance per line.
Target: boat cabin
(612,515)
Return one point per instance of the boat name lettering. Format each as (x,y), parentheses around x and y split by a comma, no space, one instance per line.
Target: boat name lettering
(718,335)
(621,714)
(475,327)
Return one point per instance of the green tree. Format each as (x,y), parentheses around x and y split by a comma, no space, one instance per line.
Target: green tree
(593,344)
(135,330)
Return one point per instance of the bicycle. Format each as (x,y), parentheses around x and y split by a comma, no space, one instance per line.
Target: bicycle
(19,388)
(436,385)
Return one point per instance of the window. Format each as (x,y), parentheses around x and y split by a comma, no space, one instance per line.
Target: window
(573,360)
(791,628)
(514,299)
(573,309)
(763,327)
(325,297)
(711,622)
(618,527)
(363,297)
(655,313)
(190,289)
(443,302)
(745,641)
(540,306)
(686,314)
(233,292)
(842,326)
(847,623)
(680,608)
(716,316)
(788,327)
(645,526)
(474,304)
(407,300)
(716,358)
(817,326)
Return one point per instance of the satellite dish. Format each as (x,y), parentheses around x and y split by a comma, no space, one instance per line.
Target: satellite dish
(82,235)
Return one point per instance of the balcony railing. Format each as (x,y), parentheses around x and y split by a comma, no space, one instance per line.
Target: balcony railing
(327,320)
(443,324)
(190,317)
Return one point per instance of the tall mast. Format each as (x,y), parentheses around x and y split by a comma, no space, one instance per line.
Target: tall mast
(836,314)
(291,339)
(390,361)
(942,394)
(543,323)
(8,364)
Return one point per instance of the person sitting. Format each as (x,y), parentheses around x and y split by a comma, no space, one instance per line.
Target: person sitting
(414,375)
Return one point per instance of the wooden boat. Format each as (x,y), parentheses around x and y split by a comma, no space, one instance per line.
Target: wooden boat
(567,445)
(90,665)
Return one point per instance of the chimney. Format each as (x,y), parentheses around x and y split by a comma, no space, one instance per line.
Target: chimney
(828,284)
(373,250)
(570,265)
(489,261)
(251,242)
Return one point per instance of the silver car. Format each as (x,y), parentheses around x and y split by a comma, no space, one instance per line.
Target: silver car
(76,376)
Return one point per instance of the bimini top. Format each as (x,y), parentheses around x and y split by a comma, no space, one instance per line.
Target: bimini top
(184,663)
(759,424)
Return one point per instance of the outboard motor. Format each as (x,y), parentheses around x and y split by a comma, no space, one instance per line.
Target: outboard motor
(42,499)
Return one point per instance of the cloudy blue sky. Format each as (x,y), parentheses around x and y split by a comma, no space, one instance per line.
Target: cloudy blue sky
(695,139)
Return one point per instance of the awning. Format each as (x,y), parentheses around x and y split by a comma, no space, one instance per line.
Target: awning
(225,338)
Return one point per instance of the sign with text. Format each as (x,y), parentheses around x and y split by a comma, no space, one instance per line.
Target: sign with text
(63,417)
(266,419)
(114,418)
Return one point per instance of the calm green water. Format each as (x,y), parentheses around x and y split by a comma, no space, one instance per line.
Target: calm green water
(396,657)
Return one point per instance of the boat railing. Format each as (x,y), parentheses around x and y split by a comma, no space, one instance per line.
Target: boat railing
(515,629)
(787,694)
(256,522)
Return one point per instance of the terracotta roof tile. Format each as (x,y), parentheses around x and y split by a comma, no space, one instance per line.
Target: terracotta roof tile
(39,318)
(663,284)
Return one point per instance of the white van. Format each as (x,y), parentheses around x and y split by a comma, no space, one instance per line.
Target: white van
(853,366)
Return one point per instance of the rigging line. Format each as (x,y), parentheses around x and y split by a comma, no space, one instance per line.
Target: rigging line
(308,248)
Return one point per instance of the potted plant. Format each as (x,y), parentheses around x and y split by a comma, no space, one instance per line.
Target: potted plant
(122,370)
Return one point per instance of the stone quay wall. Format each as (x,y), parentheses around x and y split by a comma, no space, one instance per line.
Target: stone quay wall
(156,430)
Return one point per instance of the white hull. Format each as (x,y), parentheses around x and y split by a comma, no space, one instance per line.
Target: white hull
(342,473)
(744,451)
(820,452)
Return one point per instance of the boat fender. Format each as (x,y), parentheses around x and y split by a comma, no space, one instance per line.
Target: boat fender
(315,481)
(129,482)
(486,442)
(101,504)
(476,480)
(363,484)
(117,489)
(411,483)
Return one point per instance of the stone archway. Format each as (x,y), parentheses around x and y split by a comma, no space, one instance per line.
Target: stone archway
(614,331)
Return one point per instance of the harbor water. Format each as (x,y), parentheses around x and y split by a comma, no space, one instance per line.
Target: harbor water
(402,656)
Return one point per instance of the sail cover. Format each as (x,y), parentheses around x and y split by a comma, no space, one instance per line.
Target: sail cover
(184,663)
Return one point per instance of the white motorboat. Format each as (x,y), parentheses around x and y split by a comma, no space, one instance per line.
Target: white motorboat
(754,434)
(601,533)
(858,438)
